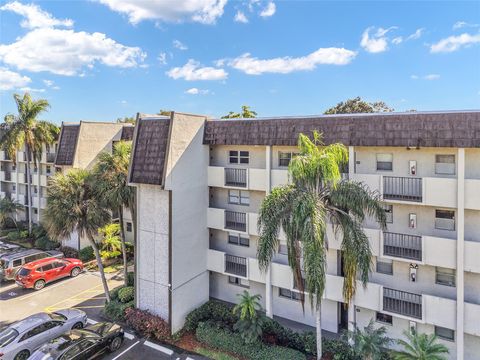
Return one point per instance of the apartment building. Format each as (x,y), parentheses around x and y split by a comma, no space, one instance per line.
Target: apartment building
(200,184)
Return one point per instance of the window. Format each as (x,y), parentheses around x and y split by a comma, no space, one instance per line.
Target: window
(238,282)
(444,276)
(444,333)
(14,167)
(49,169)
(35,189)
(35,211)
(17,262)
(238,157)
(292,295)
(35,331)
(129,227)
(14,188)
(445,164)
(283,249)
(445,219)
(384,318)
(238,239)
(47,267)
(385,162)
(239,197)
(284,158)
(388,213)
(385,266)
(58,264)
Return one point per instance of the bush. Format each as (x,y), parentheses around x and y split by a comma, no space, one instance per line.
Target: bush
(131,278)
(18,235)
(223,339)
(115,310)
(305,342)
(86,254)
(126,294)
(339,349)
(114,292)
(69,252)
(211,310)
(147,324)
(44,243)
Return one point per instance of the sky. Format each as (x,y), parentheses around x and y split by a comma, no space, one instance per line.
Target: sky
(99,60)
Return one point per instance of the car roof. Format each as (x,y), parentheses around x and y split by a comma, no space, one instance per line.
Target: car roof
(43,261)
(19,254)
(30,322)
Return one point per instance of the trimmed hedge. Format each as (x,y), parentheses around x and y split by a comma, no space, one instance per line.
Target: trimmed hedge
(86,254)
(115,310)
(44,243)
(126,294)
(223,339)
(211,310)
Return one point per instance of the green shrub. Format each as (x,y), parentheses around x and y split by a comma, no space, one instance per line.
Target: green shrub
(114,292)
(305,342)
(18,235)
(86,254)
(38,231)
(211,310)
(69,252)
(131,278)
(44,243)
(115,310)
(223,339)
(126,294)
(339,349)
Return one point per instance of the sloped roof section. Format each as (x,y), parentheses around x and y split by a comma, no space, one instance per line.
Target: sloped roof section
(127,133)
(149,151)
(67,144)
(438,129)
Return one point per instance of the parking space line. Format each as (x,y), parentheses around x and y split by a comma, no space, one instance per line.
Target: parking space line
(90,321)
(159,348)
(124,351)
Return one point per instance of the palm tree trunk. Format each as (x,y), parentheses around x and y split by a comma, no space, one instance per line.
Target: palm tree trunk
(318,324)
(100,267)
(124,248)
(29,190)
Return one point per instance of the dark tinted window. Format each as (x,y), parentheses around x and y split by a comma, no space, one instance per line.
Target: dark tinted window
(35,331)
(58,264)
(17,262)
(72,352)
(47,267)
(23,272)
(30,258)
(384,318)
(7,336)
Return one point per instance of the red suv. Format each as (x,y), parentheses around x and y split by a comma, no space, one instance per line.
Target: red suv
(37,273)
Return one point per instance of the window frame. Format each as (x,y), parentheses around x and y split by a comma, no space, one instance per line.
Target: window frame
(129,226)
(238,237)
(445,172)
(383,261)
(388,210)
(385,316)
(236,281)
(440,336)
(437,211)
(240,196)
(442,271)
(239,157)
(291,294)
(383,162)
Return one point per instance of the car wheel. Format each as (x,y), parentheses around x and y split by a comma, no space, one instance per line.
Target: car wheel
(22,355)
(75,271)
(39,284)
(78,325)
(115,344)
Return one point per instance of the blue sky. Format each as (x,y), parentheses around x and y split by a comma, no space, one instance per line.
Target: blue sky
(103,59)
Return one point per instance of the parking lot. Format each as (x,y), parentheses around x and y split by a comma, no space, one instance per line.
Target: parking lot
(84,292)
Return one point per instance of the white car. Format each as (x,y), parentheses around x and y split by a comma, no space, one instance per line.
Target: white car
(22,338)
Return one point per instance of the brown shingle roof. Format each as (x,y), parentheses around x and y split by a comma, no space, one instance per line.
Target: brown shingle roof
(441,129)
(149,151)
(67,144)
(127,133)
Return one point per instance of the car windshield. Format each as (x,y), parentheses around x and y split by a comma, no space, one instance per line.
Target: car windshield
(57,316)
(24,272)
(7,336)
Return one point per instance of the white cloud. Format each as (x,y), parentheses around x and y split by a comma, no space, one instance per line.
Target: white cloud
(429,77)
(416,35)
(196,91)
(193,71)
(376,42)
(11,80)
(66,52)
(202,11)
(454,43)
(284,65)
(414,77)
(179,45)
(162,58)
(29,89)
(240,17)
(34,16)
(397,40)
(463,24)
(269,10)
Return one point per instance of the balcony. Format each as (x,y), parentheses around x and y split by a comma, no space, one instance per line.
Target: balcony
(243,178)
(235,221)
(236,265)
(402,303)
(236,177)
(7,176)
(402,188)
(402,246)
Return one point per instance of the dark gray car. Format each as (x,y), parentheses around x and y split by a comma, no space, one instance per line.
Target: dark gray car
(12,262)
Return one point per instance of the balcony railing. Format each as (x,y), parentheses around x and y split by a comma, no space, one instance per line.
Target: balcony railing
(8,176)
(402,188)
(235,221)
(402,302)
(236,177)
(402,246)
(50,157)
(236,265)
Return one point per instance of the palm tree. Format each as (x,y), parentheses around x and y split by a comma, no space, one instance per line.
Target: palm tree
(369,343)
(250,323)
(111,173)
(73,205)
(420,347)
(8,209)
(316,196)
(24,130)
(111,244)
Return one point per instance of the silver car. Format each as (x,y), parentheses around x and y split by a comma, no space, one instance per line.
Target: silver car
(22,338)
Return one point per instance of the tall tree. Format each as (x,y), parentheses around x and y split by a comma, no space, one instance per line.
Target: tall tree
(111,173)
(420,347)
(8,210)
(25,131)
(246,113)
(369,343)
(316,197)
(73,205)
(357,105)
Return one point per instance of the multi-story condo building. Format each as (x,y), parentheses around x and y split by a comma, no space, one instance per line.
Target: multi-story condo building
(200,184)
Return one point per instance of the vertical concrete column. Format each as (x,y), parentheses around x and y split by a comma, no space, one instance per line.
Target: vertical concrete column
(351,161)
(17,190)
(268,275)
(460,251)
(39,190)
(351,172)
